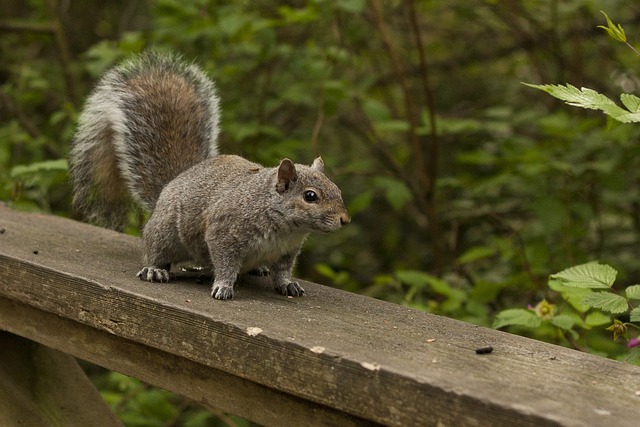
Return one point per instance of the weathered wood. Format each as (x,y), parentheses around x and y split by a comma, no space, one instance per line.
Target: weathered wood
(338,356)
(44,387)
(211,388)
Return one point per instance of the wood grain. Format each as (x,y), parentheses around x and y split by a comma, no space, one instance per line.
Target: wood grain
(330,353)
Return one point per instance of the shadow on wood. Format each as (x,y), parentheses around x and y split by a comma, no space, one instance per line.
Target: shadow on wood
(40,387)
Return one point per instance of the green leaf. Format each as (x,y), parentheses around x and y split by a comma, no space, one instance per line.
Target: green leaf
(633,357)
(391,125)
(574,296)
(516,316)
(592,100)
(396,192)
(597,318)
(353,6)
(563,321)
(591,275)
(630,101)
(635,315)
(376,110)
(633,292)
(360,203)
(59,165)
(414,278)
(607,301)
(476,253)
(325,270)
(617,33)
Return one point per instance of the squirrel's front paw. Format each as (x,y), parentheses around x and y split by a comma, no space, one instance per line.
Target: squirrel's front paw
(154,274)
(222,292)
(292,289)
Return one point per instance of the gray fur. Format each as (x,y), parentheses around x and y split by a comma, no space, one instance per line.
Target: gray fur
(137,111)
(217,210)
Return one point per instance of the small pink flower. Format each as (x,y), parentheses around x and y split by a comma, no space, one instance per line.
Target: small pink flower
(633,342)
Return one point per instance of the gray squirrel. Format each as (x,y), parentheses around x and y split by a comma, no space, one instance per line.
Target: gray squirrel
(148,132)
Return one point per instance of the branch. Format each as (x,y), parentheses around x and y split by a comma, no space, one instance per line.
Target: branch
(19,27)
(63,52)
(318,124)
(434,146)
(409,104)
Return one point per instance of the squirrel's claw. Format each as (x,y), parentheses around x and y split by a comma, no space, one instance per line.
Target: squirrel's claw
(291,289)
(222,292)
(153,274)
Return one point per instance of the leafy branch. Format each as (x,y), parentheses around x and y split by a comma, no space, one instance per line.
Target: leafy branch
(592,100)
(587,288)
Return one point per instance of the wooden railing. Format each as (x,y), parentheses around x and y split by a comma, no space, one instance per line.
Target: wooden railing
(330,358)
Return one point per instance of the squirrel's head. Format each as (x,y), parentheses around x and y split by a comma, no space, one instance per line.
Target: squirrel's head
(313,199)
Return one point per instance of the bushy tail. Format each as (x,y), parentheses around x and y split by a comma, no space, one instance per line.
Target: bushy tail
(147,120)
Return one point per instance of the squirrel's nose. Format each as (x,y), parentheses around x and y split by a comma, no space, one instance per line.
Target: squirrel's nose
(345,219)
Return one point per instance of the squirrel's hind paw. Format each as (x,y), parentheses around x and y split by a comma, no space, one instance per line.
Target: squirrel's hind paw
(291,289)
(154,274)
(260,271)
(222,292)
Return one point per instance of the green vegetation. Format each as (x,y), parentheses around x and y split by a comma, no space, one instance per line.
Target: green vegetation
(468,189)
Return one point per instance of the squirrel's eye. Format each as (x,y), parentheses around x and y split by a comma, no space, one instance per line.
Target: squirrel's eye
(310,196)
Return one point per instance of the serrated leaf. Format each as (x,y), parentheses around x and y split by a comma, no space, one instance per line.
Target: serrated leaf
(607,301)
(591,275)
(516,316)
(630,101)
(563,321)
(592,100)
(597,318)
(635,315)
(573,296)
(633,357)
(633,292)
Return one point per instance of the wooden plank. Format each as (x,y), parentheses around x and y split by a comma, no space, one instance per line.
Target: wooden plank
(44,387)
(364,357)
(211,388)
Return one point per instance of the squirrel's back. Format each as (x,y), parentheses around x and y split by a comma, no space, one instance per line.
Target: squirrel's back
(147,120)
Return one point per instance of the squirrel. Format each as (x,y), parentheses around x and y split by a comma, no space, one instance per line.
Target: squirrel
(148,134)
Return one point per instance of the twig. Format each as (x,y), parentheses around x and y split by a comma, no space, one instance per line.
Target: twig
(424,176)
(19,27)
(9,105)
(63,51)
(434,148)
(365,128)
(434,144)
(318,125)
(526,265)
(400,76)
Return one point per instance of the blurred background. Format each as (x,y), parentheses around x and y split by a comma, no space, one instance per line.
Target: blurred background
(467,188)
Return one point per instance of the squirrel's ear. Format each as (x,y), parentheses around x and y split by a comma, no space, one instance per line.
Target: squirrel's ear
(318,165)
(286,175)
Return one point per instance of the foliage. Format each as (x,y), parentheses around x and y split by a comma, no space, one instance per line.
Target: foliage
(465,190)
(588,301)
(582,285)
(139,405)
(589,98)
